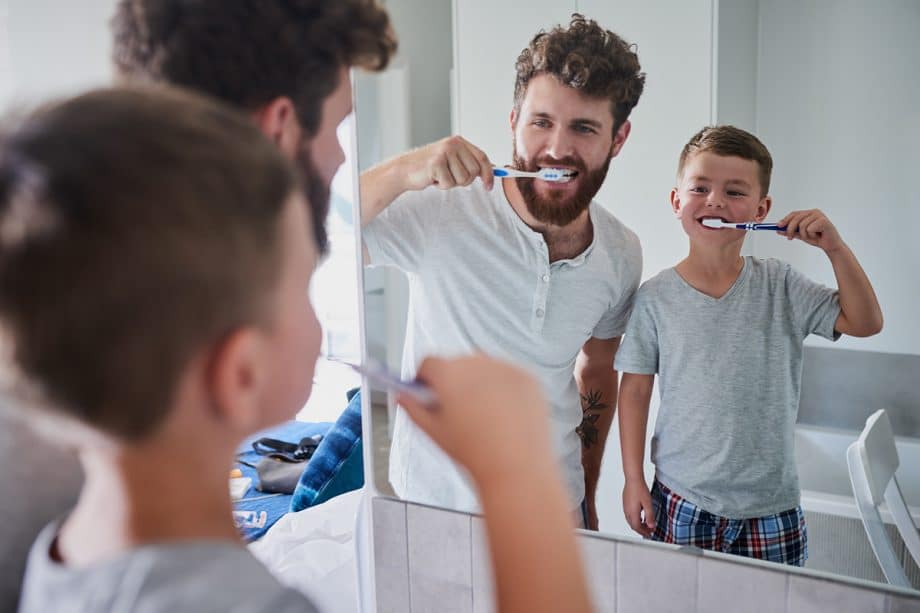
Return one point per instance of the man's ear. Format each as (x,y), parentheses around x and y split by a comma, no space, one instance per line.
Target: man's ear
(619,139)
(675,202)
(237,376)
(763,208)
(513,119)
(278,122)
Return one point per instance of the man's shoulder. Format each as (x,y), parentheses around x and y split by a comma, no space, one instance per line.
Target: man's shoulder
(612,231)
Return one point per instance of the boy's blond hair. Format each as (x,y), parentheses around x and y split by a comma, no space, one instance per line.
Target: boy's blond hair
(730,141)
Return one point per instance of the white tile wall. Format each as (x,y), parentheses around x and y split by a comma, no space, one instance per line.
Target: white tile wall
(807,594)
(440,560)
(391,555)
(655,578)
(740,588)
(435,560)
(599,556)
(483,588)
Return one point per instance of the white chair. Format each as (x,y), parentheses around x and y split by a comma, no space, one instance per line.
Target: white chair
(873,460)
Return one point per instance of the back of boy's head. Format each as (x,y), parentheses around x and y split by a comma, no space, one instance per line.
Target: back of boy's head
(137,227)
(729,141)
(585,57)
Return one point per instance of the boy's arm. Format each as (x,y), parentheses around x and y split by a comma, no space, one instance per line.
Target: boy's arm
(597,386)
(860,313)
(447,163)
(635,395)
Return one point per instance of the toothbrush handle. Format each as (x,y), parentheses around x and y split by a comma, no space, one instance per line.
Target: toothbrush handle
(501,172)
(767,226)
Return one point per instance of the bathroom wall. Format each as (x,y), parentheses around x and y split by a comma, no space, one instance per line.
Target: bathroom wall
(430,559)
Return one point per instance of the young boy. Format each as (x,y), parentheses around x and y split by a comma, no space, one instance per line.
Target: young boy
(725,335)
(155,258)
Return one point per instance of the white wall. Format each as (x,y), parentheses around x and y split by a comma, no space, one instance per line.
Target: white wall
(52,48)
(839,107)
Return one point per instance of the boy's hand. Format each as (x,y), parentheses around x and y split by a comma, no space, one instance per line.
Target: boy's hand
(637,506)
(449,162)
(491,417)
(813,227)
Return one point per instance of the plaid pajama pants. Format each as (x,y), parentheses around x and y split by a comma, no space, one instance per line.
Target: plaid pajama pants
(777,538)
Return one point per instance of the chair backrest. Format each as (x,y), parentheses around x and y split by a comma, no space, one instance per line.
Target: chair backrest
(873,460)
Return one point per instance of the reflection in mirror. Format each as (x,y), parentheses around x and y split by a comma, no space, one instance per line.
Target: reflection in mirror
(839,120)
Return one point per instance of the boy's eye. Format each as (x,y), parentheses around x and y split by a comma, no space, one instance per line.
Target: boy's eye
(735,194)
(698,189)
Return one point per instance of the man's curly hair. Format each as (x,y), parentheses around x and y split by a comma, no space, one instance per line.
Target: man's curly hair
(588,58)
(249,52)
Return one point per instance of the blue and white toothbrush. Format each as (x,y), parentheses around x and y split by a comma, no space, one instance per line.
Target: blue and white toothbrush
(555,175)
(718,223)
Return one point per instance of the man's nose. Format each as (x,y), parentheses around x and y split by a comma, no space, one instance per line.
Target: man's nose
(559,144)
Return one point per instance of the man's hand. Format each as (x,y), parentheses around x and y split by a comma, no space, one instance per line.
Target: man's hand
(637,506)
(814,228)
(591,507)
(449,162)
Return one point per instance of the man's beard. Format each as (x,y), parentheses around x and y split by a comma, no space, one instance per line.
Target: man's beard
(558,208)
(317,192)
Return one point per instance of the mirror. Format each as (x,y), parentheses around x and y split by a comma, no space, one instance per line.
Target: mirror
(826,88)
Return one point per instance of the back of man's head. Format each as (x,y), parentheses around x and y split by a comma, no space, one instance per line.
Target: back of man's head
(137,226)
(250,53)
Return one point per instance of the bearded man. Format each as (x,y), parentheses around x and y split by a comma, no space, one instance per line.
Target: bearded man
(528,270)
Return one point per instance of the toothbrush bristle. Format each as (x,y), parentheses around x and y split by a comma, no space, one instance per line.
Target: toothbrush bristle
(558,175)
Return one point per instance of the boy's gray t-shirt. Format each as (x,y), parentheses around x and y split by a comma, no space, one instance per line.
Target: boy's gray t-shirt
(201,576)
(730,372)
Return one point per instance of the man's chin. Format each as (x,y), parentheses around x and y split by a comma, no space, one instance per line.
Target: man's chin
(556,213)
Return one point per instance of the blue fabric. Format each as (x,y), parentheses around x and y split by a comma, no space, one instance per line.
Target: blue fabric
(336,466)
(275,505)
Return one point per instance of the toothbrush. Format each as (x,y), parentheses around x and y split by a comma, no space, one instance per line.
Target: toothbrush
(718,223)
(555,175)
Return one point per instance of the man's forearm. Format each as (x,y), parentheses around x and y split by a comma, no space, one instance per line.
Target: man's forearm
(380,186)
(598,405)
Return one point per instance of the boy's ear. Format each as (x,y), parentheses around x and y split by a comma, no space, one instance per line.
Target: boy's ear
(763,208)
(619,139)
(237,377)
(675,202)
(278,122)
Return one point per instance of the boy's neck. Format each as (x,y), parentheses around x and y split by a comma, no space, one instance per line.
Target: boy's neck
(712,270)
(166,490)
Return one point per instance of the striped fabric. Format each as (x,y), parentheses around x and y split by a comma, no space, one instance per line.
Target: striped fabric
(779,538)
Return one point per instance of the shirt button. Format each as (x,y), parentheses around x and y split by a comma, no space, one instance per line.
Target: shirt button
(545,278)
(540,313)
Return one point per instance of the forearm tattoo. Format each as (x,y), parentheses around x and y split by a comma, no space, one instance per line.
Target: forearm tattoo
(592,406)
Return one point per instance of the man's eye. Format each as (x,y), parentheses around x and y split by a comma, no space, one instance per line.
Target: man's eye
(585,129)
(541,123)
